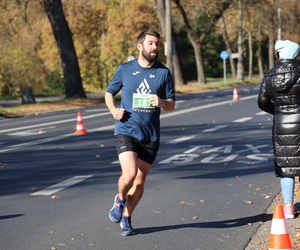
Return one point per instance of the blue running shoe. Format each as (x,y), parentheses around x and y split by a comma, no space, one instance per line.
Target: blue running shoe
(115,213)
(126,227)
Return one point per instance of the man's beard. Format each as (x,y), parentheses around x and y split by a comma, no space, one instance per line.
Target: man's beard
(148,57)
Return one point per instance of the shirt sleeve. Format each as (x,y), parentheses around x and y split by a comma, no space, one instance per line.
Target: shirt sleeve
(116,83)
(169,87)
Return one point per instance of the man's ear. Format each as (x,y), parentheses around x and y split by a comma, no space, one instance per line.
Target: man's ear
(139,46)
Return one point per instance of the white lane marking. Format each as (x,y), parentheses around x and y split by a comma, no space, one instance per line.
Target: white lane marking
(188,110)
(181,139)
(32,143)
(27,133)
(31,132)
(95,110)
(62,185)
(56,138)
(51,123)
(186,138)
(110,127)
(243,119)
(214,128)
(261,113)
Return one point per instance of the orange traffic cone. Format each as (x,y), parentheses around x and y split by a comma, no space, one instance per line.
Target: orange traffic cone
(79,125)
(279,237)
(235,95)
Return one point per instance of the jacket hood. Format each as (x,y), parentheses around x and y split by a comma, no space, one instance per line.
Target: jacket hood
(283,75)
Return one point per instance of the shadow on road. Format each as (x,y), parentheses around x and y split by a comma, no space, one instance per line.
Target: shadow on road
(212,224)
(10,216)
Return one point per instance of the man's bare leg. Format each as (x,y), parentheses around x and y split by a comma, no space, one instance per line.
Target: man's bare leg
(129,165)
(136,192)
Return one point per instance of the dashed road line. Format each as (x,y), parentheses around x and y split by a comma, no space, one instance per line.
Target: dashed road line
(181,139)
(61,185)
(109,127)
(261,113)
(243,119)
(31,132)
(213,129)
(50,123)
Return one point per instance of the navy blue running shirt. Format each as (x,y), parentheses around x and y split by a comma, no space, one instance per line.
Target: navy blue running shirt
(141,119)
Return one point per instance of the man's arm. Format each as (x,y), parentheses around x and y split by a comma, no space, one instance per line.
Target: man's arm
(165,104)
(117,113)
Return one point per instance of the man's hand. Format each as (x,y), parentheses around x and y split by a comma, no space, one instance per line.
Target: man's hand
(166,104)
(156,101)
(118,113)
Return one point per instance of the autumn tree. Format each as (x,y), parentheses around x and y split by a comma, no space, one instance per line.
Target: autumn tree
(119,40)
(64,40)
(88,21)
(20,64)
(161,13)
(199,18)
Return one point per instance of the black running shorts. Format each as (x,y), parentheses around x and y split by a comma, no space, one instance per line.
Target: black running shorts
(146,150)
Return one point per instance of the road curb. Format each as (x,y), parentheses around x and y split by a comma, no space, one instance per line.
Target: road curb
(260,239)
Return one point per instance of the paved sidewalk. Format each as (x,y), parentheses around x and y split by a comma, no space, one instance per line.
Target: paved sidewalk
(261,238)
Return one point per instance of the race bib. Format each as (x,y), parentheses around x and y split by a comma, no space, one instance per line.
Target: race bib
(141,102)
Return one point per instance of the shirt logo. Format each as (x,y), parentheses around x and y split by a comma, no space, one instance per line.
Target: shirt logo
(135,73)
(151,76)
(144,87)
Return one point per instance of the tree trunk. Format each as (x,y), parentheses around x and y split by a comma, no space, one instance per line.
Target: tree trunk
(259,61)
(250,48)
(177,66)
(199,61)
(240,64)
(161,13)
(169,40)
(64,40)
(226,40)
(271,49)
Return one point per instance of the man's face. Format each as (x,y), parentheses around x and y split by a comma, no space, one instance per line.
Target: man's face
(149,48)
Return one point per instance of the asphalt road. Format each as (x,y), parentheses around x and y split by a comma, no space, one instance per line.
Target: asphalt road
(209,188)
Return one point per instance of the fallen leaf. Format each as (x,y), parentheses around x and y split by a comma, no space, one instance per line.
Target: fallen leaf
(267,197)
(248,202)
(195,218)
(53,197)
(260,242)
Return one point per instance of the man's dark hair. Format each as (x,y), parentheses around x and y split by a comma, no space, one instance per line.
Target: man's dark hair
(142,35)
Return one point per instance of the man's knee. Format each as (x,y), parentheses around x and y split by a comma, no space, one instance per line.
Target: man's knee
(128,180)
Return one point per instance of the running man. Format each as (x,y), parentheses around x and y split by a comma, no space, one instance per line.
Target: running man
(147,86)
